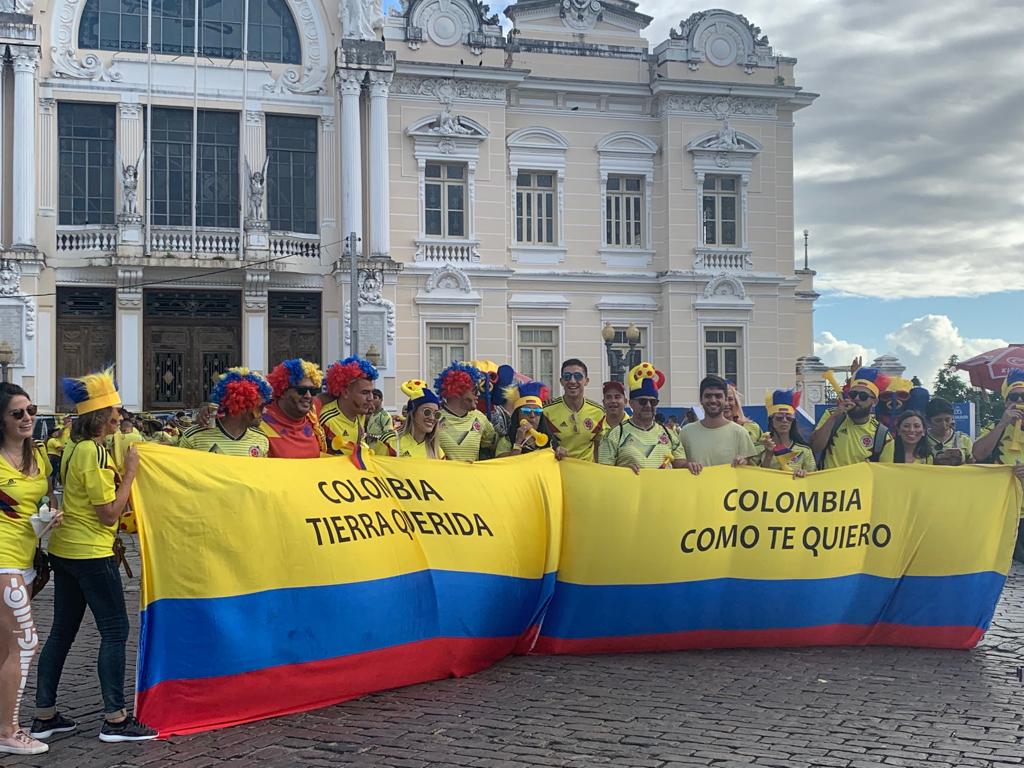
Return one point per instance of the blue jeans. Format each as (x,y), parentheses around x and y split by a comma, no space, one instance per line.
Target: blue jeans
(95,583)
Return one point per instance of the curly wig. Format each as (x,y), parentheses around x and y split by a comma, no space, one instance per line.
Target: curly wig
(342,373)
(289,373)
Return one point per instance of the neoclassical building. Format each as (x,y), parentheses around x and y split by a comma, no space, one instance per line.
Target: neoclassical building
(177,197)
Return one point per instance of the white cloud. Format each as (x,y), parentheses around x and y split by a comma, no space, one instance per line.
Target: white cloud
(923,345)
(838,352)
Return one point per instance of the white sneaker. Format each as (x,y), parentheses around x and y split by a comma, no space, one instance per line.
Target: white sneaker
(22,744)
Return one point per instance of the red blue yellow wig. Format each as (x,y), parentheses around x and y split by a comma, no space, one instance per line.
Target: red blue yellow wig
(93,391)
(459,379)
(239,390)
(342,373)
(289,373)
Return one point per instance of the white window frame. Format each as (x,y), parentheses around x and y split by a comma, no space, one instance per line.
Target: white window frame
(627,199)
(531,225)
(721,347)
(430,144)
(445,184)
(555,346)
(449,321)
(734,158)
(719,194)
(625,153)
(537,149)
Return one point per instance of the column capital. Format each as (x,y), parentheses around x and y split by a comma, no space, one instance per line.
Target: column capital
(349,82)
(47,105)
(25,58)
(127,111)
(380,83)
(327,122)
(254,117)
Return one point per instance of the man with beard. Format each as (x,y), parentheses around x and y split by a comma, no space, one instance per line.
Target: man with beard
(574,421)
(290,422)
(350,387)
(715,439)
(850,433)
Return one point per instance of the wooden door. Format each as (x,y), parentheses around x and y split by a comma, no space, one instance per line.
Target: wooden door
(86,339)
(294,327)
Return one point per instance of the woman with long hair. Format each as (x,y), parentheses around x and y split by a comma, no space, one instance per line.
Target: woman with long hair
(24,480)
(784,447)
(85,572)
(734,412)
(419,436)
(911,446)
(527,429)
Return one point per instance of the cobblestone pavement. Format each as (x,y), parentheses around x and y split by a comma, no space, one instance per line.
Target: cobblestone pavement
(842,707)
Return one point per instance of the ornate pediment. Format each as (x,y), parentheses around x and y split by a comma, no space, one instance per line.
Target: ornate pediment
(449,125)
(450,22)
(723,39)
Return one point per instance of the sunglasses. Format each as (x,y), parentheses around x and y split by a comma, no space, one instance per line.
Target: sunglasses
(429,413)
(783,416)
(19,413)
(862,396)
(529,410)
(646,402)
(1013,397)
(573,376)
(307,390)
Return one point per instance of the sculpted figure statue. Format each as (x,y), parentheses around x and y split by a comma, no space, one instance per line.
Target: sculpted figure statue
(360,19)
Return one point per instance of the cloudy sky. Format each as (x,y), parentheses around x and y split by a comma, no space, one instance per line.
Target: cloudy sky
(909,168)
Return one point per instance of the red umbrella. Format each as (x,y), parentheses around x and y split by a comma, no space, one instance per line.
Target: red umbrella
(988,369)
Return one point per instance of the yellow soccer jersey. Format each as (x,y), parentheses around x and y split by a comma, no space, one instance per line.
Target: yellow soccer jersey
(214,439)
(463,437)
(801,457)
(853,443)
(954,441)
(340,431)
(754,430)
(1008,454)
(88,475)
(407,448)
(19,500)
(575,431)
(652,448)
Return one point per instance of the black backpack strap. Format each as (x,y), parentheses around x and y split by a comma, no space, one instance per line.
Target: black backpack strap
(879,443)
(836,424)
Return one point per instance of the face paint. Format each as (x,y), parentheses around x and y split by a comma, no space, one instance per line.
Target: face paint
(16,598)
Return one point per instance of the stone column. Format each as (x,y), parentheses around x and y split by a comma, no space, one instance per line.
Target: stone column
(3,159)
(26,64)
(129,336)
(255,320)
(254,154)
(46,140)
(349,88)
(130,170)
(327,171)
(380,208)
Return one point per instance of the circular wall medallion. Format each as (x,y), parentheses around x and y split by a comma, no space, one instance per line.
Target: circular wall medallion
(720,50)
(444,28)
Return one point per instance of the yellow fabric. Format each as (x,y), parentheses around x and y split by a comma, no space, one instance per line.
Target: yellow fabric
(407,448)
(955,440)
(88,476)
(214,439)
(340,431)
(464,437)
(380,433)
(802,458)
(505,446)
(54,446)
(575,431)
(853,443)
(627,445)
(711,447)
(754,430)
(1007,453)
(19,500)
(121,443)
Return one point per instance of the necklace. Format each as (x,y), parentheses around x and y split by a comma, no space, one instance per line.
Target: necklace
(15,464)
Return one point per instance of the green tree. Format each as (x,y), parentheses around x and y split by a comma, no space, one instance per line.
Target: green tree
(950,385)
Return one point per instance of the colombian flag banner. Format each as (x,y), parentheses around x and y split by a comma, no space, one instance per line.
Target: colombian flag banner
(273,586)
(869,554)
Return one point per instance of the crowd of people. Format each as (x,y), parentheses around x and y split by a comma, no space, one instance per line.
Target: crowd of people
(472,411)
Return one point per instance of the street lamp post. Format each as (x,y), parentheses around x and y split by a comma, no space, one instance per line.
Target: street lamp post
(620,362)
(6,358)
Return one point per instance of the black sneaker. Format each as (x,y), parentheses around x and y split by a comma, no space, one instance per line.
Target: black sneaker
(128,729)
(44,729)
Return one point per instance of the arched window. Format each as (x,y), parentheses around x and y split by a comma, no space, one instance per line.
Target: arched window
(120,25)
